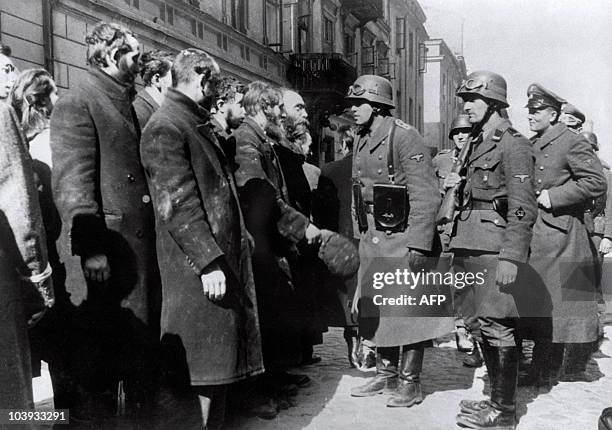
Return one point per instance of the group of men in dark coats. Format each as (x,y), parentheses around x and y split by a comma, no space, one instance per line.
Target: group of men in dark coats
(187,238)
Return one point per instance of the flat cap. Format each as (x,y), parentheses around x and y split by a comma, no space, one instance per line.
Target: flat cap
(540,97)
(570,109)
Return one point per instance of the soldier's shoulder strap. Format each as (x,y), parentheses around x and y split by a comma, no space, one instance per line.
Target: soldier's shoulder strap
(402,124)
(444,151)
(573,130)
(498,134)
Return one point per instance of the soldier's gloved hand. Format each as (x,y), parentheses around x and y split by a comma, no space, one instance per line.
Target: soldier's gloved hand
(605,246)
(506,272)
(452,179)
(544,200)
(96,268)
(213,282)
(417,260)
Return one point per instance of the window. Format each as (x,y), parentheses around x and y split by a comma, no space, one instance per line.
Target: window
(239,14)
(166,13)
(328,30)
(134,3)
(200,30)
(400,34)
(349,44)
(245,53)
(222,41)
(410,49)
(263,62)
(194,27)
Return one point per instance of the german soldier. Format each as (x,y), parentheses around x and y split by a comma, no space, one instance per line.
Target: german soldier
(491,237)
(466,322)
(568,177)
(572,117)
(388,153)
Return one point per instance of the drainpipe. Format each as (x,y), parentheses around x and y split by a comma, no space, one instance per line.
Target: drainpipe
(47,27)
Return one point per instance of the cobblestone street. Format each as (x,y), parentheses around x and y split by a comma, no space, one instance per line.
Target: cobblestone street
(326,403)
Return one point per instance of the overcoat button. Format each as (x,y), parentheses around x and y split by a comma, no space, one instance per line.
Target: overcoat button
(541,167)
(380,157)
(545,155)
(539,181)
(131,177)
(139,233)
(146,198)
(375,240)
(537,193)
(496,221)
(379,171)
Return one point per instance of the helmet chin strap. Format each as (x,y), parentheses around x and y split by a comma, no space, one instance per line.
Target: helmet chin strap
(478,127)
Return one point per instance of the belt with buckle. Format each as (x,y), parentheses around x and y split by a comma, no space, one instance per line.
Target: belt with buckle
(369,208)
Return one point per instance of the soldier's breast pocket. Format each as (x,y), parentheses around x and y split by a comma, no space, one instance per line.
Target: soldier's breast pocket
(487,174)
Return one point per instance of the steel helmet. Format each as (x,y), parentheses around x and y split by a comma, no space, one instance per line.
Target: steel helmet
(592,138)
(488,85)
(372,88)
(460,121)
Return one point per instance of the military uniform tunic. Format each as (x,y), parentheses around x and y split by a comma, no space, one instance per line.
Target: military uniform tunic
(500,165)
(561,251)
(413,168)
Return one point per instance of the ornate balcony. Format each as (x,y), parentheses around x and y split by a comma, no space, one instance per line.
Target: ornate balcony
(365,10)
(327,73)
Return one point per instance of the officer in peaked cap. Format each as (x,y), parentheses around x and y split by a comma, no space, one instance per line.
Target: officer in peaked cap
(491,236)
(568,177)
(390,164)
(572,117)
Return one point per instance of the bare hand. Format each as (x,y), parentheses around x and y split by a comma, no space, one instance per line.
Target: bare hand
(452,179)
(544,200)
(313,234)
(506,272)
(213,282)
(605,246)
(96,268)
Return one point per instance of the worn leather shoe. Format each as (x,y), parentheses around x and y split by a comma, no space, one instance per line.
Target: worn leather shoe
(473,358)
(462,338)
(471,406)
(605,420)
(489,418)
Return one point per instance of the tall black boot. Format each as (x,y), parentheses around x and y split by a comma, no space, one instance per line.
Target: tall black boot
(501,411)
(385,380)
(409,389)
(488,354)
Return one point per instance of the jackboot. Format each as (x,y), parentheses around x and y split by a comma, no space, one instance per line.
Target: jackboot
(408,391)
(500,414)
(539,373)
(385,381)
(489,360)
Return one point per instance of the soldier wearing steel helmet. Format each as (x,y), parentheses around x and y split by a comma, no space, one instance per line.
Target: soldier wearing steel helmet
(572,117)
(491,236)
(390,156)
(465,322)
(568,177)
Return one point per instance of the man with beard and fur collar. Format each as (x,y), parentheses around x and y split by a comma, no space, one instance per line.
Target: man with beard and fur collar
(228,115)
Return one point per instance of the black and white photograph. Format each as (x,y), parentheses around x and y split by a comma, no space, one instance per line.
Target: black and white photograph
(305,214)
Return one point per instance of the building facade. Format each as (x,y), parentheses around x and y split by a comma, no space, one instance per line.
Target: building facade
(444,73)
(51,33)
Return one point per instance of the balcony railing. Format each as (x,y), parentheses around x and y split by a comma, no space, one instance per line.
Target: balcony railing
(321,72)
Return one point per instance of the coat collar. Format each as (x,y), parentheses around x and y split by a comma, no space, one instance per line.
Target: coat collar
(550,135)
(261,134)
(376,136)
(490,140)
(110,86)
(187,104)
(146,96)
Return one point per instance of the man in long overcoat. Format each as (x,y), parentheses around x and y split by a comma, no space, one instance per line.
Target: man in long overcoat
(22,252)
(209,321)
(276,228)
(108,238)
(156,77)
(568,176)
(391,153)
